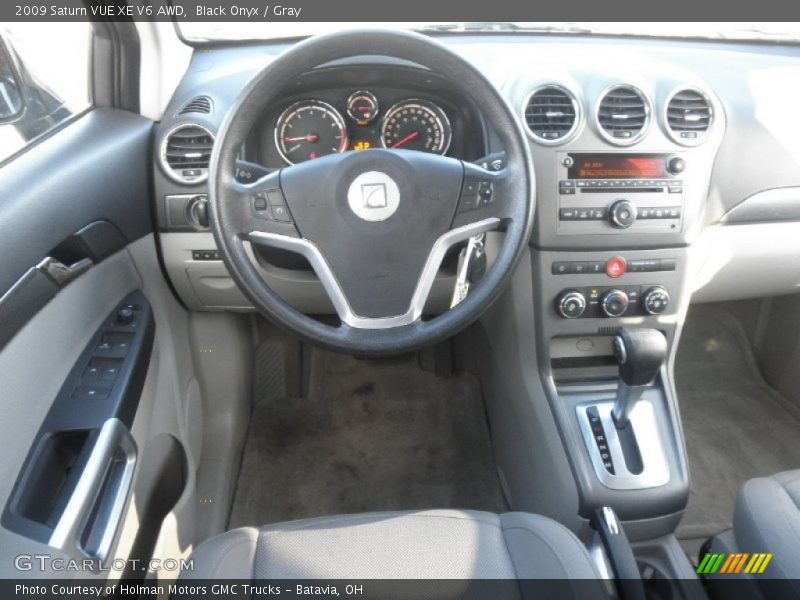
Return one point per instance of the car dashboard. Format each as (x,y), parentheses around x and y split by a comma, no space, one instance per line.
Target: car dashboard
(643,151)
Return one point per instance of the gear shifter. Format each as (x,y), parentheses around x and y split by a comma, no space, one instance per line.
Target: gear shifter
(640,353)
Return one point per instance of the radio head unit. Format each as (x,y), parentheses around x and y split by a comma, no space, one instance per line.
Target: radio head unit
(613,191)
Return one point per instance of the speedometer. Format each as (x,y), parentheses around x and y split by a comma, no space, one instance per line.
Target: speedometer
(416,125)
(309,129)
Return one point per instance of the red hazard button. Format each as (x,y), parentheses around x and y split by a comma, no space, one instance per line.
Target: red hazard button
(615,267)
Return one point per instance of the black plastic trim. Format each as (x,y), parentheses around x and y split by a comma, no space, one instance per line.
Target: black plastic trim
(76,413)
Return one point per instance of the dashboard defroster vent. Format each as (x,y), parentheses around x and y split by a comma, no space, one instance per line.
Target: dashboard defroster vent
(689,116)
(186,152)
(623,115)
(552,114)
(201,105)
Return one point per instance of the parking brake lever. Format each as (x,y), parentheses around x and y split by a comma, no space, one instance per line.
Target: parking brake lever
(620,554)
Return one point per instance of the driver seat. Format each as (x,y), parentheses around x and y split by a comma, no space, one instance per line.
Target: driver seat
(438,544)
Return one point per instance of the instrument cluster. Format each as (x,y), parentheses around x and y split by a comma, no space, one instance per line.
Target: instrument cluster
(308,129)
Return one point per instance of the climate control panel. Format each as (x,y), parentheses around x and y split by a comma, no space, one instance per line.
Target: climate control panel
(612,301)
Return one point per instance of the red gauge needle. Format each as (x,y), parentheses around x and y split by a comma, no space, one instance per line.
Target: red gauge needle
(408,138)
(311,137)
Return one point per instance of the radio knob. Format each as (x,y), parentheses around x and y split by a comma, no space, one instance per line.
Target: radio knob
(615,303)
(676,165)
(571,305)
(655,300)
(622,214)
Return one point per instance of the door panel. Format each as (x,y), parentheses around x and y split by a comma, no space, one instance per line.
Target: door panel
(92,173)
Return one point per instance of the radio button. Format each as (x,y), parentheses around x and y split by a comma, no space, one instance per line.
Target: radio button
(566,191)
(616,267)
(675,212)
(676,165)
(568,214)
(675,190)
(622,214)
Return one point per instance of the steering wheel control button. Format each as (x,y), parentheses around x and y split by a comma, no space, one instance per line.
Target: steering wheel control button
(616,267)
(656,300)
(373,196)
(571,304)
(622,214)
(277,205)
(614,303)
(475,193)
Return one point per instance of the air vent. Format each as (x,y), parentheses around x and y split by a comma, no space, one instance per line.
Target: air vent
(623,115)
(201,104)
(552,114)
(185,153)
(689,116)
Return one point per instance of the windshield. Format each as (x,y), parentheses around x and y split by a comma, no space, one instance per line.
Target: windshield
(206,31)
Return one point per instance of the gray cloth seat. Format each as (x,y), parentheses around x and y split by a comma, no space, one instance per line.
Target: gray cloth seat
(767,519)
(440,544)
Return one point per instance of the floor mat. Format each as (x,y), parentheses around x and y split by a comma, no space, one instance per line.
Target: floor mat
(736,426)
(371,435)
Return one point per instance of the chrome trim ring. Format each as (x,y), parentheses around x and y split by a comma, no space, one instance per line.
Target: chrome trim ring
(312,253)
(169,171)
(444,120)
(665,117)
(576,126)
(648,111)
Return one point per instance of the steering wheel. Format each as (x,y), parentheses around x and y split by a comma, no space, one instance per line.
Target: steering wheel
(374,224)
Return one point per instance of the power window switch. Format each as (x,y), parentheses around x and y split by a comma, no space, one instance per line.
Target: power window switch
(109,374)
(92,373)
(90,392)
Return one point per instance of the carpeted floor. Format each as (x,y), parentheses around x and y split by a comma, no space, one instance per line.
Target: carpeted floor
(371,435)
(736,426)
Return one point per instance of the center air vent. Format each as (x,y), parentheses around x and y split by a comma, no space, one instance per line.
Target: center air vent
(185,153)
(552,114)
(689,116)
(201,105)
(623,115)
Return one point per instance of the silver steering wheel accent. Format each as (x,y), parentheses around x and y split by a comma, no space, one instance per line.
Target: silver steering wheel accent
(421,292)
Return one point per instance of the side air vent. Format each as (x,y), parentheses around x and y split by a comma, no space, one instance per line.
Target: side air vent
(689,116)
(201,105)
(185,153)
(552,114)
(623,115)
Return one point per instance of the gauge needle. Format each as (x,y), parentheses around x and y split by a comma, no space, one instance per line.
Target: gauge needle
(311,137)
(408,138)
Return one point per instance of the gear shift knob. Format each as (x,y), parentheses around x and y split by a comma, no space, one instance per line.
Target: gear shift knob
(640,353)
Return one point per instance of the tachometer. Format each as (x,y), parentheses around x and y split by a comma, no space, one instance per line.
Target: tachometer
(309,129)
(416,125)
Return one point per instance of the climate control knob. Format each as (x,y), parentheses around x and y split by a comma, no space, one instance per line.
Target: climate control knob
(614,303)
(622,214)
(655,300)
(571,305)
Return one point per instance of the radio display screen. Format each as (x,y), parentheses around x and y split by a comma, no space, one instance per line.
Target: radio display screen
(617,166)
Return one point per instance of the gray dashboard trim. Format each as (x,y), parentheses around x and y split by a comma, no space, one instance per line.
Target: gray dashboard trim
(778,204)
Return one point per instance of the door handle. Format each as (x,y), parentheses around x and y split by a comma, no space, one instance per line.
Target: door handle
(114,444)
(62,274)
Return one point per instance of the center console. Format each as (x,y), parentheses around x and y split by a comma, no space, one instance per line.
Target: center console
(618,206)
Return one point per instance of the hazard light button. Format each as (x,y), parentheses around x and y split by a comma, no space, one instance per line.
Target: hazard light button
(616,266)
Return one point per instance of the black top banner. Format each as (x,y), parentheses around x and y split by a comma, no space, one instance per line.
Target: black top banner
(268,11)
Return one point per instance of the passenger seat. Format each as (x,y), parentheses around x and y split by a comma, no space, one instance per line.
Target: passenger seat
(766,520)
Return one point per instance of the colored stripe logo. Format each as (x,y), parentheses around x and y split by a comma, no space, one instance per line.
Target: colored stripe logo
(738,562)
